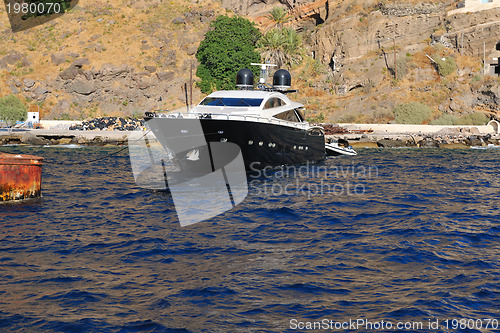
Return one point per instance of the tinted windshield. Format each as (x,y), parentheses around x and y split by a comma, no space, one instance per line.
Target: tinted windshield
(290,115)
(225,101)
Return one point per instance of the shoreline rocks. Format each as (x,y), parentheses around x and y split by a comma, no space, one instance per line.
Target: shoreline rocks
(111,124)
(418,141)
(116,131)
(120,137)
(69,137)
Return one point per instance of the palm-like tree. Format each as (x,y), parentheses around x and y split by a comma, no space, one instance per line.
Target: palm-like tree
(281,46)
(279,16)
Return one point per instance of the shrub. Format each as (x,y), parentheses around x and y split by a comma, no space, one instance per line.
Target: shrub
(369,86)
(412,113)
(379,115)
(476,118)
(403,67)
(346,117)
(445,67)
(476,78)
(227,47)
(318,118)
(446,119)
(12,110)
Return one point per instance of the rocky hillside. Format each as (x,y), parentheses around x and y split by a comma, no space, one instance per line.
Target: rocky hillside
(106,58)
(358,47)
(125,57)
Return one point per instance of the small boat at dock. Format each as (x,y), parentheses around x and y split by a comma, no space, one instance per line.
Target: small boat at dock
(339,147)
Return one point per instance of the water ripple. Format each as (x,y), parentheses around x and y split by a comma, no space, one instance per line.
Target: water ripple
(97,253)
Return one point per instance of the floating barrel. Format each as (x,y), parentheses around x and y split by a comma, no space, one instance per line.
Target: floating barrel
(20,177)
(244,79)
(282,80)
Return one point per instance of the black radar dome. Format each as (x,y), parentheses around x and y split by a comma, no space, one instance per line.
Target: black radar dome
(244,79)
(282,79)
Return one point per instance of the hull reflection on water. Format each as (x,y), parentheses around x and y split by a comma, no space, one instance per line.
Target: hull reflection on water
(204,181)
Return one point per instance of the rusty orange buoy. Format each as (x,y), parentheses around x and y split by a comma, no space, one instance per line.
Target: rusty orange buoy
(20,177)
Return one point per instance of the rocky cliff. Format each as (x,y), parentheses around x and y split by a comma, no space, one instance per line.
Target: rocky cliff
(122,58)
(115,58)
(359,46)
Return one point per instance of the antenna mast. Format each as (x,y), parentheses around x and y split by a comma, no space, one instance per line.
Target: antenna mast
(264,72)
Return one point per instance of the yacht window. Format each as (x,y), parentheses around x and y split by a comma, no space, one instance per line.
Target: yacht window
(299,115)
(274,103)
(289,115)
(230,101)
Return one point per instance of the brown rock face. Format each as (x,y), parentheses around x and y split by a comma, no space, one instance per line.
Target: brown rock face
(260,7)
(350,38)
(247,7)
(473,29)
(353,37)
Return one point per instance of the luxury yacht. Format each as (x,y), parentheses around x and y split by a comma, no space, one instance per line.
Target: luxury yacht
(268,127)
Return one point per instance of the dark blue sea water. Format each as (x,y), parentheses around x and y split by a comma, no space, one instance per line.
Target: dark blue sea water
(403,236)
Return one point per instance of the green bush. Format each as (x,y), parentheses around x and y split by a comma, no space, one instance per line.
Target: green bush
(228,47)
(12,110)
(476,118)
(318,118)
(412,113)
(446,119)
(403,68)
(445,67)
(476,78)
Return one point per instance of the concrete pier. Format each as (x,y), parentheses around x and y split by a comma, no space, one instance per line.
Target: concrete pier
(400,135)
(41,137)
(359,135)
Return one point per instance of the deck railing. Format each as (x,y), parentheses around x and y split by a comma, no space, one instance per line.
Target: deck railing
(226,116)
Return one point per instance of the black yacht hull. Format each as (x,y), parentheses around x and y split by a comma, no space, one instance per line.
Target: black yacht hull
(262,145)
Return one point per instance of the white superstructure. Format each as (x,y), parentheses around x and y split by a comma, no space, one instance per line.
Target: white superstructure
(251,102)
(248,105)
